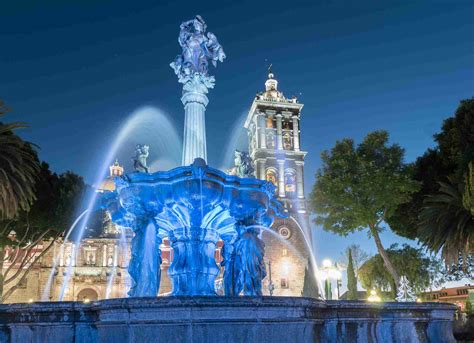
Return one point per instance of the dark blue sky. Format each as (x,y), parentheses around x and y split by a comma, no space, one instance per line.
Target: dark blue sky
(74,70)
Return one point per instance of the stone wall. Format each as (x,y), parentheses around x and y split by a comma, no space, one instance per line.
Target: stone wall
(222,319)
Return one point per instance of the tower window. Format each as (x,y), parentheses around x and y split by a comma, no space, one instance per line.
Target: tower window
(290,181)
(287,141)
(270,123)
(284,252)
(284,283)
(271,176)
(270,140)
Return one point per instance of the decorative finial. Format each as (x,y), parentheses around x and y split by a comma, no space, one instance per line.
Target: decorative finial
(270,74)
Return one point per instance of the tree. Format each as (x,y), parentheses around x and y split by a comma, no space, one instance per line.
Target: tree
(310,286)
(420,270)
(19,167)
(447,162)
(446,225)
(359,256)
(468,309)
(351,280)
(48,217)
(359,188)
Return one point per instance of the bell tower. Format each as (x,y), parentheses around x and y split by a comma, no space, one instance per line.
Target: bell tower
(273,127)
(274,144)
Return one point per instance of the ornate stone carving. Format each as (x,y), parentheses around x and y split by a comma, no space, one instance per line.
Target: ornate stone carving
(139,161)
(191,66)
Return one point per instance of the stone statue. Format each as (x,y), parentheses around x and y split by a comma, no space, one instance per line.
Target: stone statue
(191,66)
(243,165)
(249,266)
(139,161)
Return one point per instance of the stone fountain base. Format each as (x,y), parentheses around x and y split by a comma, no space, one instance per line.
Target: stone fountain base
(222,319)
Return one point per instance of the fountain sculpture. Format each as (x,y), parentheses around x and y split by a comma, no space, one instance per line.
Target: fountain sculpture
(194,206)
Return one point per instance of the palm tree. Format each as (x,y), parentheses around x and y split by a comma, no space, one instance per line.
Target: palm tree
(19,167)
(446,224)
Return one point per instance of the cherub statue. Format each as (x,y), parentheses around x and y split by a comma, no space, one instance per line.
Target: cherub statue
(139,161)
(197,49)
(242,165)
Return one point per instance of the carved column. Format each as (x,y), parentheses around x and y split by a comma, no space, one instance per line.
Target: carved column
(262,139)
(260,168)
(296,134)
(279,132)
(194,269)
(194,144)
(104,255)
(299,179)
(281,178)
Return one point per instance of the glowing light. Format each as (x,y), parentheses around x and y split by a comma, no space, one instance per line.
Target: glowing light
(285,267)
(327,263)
(86,300)
(418,300)
(373,297)
(30,300)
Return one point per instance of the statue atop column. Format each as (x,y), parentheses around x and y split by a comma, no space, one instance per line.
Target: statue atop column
(191,66)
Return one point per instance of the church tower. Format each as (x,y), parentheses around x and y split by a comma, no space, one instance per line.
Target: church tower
(273,126)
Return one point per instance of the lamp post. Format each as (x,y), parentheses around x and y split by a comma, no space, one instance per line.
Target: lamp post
(271,286)
(328,272)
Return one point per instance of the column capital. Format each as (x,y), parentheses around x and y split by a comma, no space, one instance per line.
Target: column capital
(270,112)
(189,97)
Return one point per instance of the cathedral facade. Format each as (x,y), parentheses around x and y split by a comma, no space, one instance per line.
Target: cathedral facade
(98,268)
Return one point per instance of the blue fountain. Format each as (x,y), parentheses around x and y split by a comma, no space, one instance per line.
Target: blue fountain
(195,206)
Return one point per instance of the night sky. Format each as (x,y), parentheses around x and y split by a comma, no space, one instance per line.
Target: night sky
(76,70)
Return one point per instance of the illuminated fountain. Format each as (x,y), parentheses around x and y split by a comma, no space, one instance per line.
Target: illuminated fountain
(194,206)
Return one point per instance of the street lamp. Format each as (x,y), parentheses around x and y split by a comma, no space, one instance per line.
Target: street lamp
(328,272)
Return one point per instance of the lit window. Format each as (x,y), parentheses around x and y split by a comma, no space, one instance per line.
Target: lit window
(290,181)
(284,252)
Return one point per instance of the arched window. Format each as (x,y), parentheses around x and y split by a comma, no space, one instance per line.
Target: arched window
(269,122)
(271,176)
(287,141)
(290,181)
(270,139)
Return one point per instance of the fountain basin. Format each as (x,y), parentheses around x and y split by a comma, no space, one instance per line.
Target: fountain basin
(226,319)
(194,207)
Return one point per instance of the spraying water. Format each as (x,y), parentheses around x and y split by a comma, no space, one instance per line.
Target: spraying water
(237,141)
(167,142)
(47,290)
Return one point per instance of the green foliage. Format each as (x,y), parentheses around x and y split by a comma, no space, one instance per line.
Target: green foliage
(359,256)
(449,159)
(351,280)
(19,167)
(445,224)
(468,308)
(57,197)
(420,270)
(360,186)
(310,286)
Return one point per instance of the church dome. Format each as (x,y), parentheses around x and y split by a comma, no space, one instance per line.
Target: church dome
(108,184)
